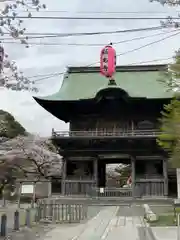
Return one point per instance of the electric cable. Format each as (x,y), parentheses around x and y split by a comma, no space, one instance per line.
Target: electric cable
(141,47)
(62,34)
(120,54)
(87,44)
(149,61)
(86,18)
(149,44)
(89,33)
(134,63)
(98,12)
(51,75)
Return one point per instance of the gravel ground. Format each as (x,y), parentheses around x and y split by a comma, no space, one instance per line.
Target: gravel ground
(36,232)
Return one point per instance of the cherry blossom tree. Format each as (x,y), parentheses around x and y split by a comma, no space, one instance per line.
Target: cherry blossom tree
(14,27)
(168,2)
(28,157)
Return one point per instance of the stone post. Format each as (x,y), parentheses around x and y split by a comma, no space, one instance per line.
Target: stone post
(64,171)
(133,175)
(95,171)
(178,182)
(165,174)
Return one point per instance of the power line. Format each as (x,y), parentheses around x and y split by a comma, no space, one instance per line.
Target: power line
(141,47)
(50,75)
(88,44)
(87,18)
(120,54)
(60,73)
(149,44)
(62,34)
(150,61)
(101,12)
(45,75)
(90,33)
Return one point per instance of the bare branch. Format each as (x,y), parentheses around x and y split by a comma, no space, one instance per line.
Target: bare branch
(14,27)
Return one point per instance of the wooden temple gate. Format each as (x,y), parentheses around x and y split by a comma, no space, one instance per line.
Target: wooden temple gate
(151,185)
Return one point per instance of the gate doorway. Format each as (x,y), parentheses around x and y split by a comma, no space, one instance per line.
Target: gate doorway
(114,180)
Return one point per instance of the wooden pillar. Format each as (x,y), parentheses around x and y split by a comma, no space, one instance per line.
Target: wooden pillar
(133,174)
(64,172)
(165,174)
(104,175)
(95,171)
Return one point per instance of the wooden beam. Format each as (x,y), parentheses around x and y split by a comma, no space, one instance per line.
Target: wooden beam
(80,158)
(114,156)
(153,157)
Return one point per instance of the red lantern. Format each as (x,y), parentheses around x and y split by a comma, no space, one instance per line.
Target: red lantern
(108,61)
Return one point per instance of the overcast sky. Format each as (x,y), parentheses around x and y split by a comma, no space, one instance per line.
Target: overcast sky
(50,59)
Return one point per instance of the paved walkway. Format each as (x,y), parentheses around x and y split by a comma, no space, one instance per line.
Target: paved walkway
(109,223)
(165,233)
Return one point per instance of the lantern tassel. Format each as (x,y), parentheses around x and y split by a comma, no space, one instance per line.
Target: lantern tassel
(111,82)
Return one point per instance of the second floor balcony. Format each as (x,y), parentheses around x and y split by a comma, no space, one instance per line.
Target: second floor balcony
(153,133)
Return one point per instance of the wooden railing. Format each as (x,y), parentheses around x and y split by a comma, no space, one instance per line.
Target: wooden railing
(112,192)
(95,134)
(79,187)
(149,188)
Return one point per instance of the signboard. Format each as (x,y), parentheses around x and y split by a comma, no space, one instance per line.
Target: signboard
(27,189)
(101,190)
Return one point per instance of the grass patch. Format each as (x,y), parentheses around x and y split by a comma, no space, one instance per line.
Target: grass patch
(177,210)
(164,220)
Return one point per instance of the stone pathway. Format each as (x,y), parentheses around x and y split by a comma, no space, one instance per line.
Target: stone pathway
(105,223)
(109,223)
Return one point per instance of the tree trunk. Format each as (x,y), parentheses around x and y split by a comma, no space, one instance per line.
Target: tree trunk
(178,182)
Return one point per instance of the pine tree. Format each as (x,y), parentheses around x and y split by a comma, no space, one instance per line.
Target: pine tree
(169,138)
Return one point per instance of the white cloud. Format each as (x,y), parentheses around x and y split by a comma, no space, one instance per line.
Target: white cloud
(43,59)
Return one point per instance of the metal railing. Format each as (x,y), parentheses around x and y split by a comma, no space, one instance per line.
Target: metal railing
(128,133)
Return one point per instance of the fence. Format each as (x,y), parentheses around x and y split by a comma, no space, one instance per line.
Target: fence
(106,133)
(75,187)
(149,188)
(112,192)
(61,212)
(51,211)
